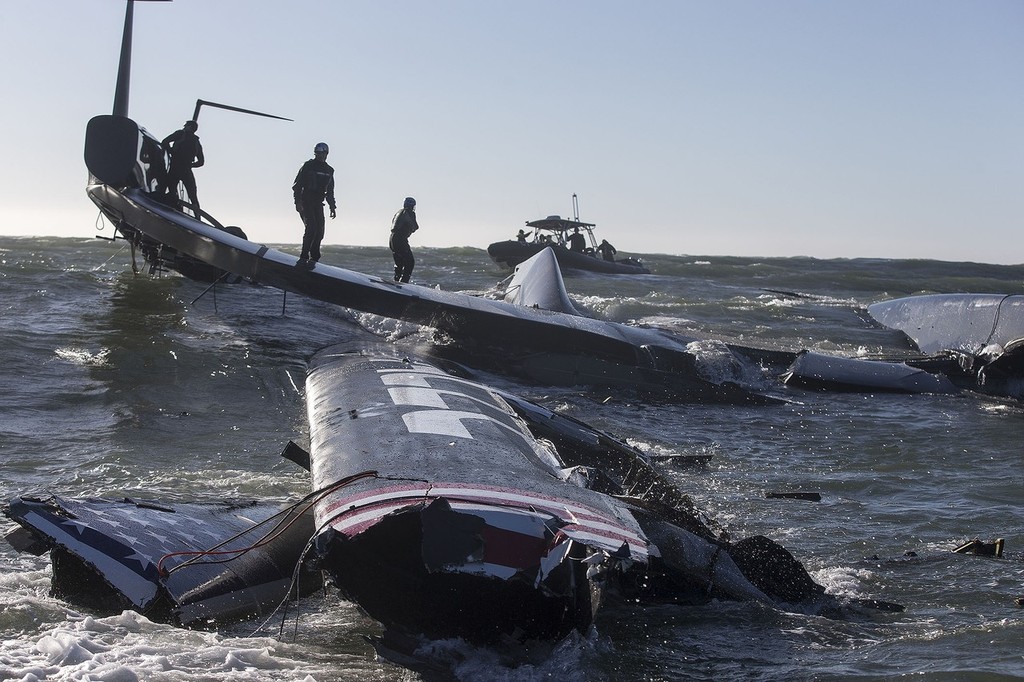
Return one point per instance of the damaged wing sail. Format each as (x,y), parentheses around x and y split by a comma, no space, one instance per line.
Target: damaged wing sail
(191,564)
(474,514)
(466,502)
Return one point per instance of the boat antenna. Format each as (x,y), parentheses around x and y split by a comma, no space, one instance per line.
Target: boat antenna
(575,208)
(124,65)
(200,103)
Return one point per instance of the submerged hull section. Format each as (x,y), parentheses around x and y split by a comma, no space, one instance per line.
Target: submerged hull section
(471,528)
(511,253)
(830,372)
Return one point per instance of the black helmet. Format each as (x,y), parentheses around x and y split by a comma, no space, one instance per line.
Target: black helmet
(410,202)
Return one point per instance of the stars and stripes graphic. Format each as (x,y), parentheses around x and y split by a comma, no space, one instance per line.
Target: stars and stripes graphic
(128,541)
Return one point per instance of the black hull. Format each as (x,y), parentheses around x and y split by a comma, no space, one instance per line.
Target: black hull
(832,373)
(486,325)
(511,253)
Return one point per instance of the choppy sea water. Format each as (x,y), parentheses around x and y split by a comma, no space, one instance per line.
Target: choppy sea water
(116,384)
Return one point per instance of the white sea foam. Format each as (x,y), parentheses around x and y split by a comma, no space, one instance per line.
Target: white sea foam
(82,356)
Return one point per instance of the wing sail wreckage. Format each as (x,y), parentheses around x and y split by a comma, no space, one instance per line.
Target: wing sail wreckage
(964,341)
(189,564)
(983,335)
(474,514)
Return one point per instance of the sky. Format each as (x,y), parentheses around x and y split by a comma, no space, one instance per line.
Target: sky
(832,129)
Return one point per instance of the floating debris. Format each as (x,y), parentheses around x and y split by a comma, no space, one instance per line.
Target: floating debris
(976,546)
(795,495)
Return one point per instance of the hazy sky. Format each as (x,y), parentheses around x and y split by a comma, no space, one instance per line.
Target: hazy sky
(757,128)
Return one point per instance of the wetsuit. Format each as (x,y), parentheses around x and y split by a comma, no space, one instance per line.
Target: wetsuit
(313,184)
(186,153)
(607,251)
(577,242)
(403,226)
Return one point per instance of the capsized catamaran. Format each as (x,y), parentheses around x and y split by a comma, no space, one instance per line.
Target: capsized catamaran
(441,506)
(535,334)
(554,346)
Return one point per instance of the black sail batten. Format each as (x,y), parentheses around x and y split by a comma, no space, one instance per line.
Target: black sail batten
(200,103)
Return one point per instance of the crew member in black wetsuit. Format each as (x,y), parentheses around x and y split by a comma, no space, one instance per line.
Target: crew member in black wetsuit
(186,153)
(606,250)
(577,242)
(402,228)
(313,184)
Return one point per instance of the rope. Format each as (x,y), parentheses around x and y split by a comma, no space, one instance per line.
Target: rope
(282,525)
(296,572)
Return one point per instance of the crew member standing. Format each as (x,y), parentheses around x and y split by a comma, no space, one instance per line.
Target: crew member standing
(186,153)
(313,184)
(606,250)
(402,228)
(577,242)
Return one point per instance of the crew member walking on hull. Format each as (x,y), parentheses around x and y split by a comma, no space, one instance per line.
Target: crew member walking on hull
(313,184)
(403,225)
(186,153)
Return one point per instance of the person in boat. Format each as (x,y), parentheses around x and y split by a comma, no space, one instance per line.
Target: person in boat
(186,153)
(402,227)
(314,184)
(521,237)
(577,242)
(606,250)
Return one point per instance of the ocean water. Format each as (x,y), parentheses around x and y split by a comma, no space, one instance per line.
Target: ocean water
(116,384)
